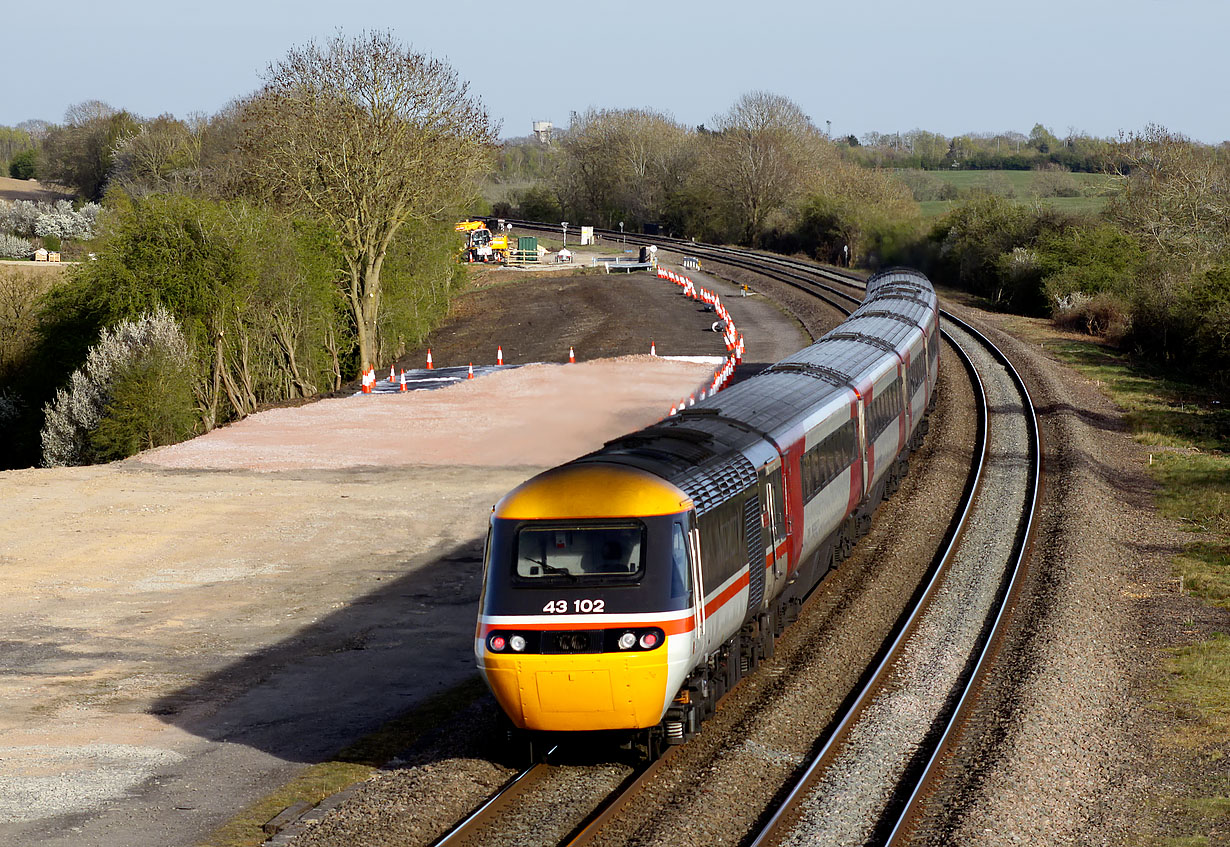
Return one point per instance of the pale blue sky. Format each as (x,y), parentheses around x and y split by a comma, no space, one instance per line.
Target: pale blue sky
(949,66)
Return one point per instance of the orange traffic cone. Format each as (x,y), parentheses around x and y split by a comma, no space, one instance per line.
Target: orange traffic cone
(499,355)
(572,357)
(403,380)
(470,375)
(653,349)
(429,367)
(392,374)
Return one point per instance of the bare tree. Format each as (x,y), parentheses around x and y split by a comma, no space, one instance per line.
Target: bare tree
(760,151)
(368,135)
(619,163)
(80,153)
(1176,193)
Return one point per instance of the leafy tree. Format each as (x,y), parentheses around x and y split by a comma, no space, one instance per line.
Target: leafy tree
(368,136)
(1042,140)
(988,246)
(254,293)
(537,203)
(850,207)
(163,155)
(1096,259)
(23,165)
(12,247)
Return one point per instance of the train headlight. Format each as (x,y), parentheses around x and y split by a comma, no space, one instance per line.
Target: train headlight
(649,640)
(627,641)
(517,642)
(496,643)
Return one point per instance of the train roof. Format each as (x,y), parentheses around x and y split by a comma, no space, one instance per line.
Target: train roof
(704,450)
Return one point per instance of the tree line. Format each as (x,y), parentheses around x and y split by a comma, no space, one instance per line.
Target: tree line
(1149,273)
(263,254)
(759,174)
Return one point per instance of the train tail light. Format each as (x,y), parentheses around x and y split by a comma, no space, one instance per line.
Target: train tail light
(649,640)
(497,643)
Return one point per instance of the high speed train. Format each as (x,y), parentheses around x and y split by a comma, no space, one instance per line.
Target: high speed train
(628,590)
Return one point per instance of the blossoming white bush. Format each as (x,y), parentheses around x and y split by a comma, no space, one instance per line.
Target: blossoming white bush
(77,410)
(27,218)
(12,247)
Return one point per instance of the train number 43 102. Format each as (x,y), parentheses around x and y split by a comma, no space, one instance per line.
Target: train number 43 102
(560,607)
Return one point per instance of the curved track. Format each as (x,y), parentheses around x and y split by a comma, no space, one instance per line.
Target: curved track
(982,559)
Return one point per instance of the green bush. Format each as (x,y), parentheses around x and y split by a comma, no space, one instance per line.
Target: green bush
(52,243)
(24,165)
(538,204)
(986,245)
(151,404)
(1091,260)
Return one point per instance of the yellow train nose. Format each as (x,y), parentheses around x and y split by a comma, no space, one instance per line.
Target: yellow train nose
(581,691)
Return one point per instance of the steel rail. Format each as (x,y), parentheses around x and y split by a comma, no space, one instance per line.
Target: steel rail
(506,794)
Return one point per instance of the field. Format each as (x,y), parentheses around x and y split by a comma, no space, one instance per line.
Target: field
(1023,187)
(1075,205)
(30,189)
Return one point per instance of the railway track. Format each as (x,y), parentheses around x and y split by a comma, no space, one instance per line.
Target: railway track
(594,794)
(870,772)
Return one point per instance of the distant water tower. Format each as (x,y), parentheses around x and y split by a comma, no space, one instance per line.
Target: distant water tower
(542,131)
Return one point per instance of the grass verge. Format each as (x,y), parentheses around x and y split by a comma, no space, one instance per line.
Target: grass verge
(352,764)
(1190,433)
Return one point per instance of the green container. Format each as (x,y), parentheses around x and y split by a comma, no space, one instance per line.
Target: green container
(527,243)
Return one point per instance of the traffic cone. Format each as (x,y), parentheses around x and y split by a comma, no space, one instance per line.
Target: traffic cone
(403,380)
(653,349)
(392,374)
(499,355)
(691,399)
(470,375)
(429,367)
(672,412)
(572,357)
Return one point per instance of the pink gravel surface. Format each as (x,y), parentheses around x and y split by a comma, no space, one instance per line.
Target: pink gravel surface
(534,415)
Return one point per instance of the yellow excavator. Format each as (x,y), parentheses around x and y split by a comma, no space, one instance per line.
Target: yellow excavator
(481,245)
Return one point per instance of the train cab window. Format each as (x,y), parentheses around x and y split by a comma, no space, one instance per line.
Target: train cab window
(681,573)
(608,551)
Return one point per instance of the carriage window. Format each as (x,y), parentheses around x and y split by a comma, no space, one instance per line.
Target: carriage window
(581,552)
(681,574)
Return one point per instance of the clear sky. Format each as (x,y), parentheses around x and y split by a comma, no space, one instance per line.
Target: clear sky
(948,66)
